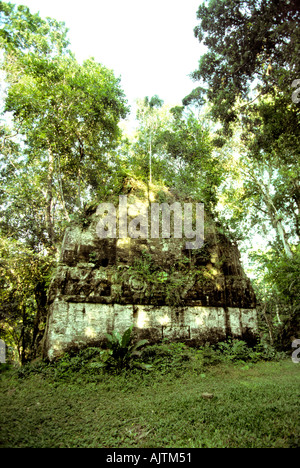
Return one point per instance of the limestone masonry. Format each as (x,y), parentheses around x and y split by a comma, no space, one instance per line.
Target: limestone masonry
(157,285)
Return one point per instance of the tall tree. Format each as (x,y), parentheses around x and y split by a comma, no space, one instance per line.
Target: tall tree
(67,114)
(24,275)
(181,149)
(22,32)
(149,121)
(247,77)
(251,43)
(60,126)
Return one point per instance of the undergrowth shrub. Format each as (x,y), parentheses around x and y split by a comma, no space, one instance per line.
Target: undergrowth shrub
(234,350)
(165,357)
(69,366)
(5,367)
(121,352)
(95,364)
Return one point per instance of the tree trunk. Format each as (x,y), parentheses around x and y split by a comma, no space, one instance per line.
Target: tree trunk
(277,314)
(150,160)
(62,198)
(274,216)
(268,323)
(22,352)
(41,315)
(82,155)
(49,198)
(79,189)
(282,235)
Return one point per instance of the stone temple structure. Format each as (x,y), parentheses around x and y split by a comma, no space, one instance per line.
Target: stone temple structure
(155,284)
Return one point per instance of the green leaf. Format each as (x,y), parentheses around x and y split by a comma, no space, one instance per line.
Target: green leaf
(142,365)
(139,345)
(126,337)
(117,337)
(109,337)
(97,365)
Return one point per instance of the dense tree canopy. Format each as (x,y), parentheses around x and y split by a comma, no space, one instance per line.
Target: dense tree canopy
(250,43)
(248,76)
(22,32)
(67,114)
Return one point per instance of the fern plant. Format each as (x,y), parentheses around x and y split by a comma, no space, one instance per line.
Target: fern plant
(121,352)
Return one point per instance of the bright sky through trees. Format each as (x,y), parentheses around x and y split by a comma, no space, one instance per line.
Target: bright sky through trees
(151,45)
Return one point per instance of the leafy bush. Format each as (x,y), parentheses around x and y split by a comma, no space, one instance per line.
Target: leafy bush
(68,366)
(238,350)
(209,355)
(235,350)
(123,356)
(167,356)
(5,367)
(121,352)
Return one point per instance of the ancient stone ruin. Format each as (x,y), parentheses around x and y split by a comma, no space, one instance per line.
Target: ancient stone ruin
(156,284)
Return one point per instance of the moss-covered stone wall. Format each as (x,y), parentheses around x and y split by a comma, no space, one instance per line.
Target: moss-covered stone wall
(156,284)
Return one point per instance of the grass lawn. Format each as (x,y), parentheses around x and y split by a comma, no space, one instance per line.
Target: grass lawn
(255,405)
